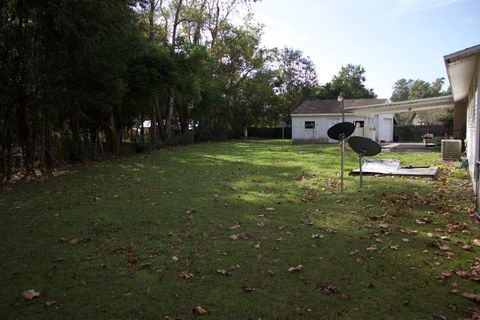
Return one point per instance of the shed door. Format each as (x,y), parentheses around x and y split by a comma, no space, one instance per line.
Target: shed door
(386,130)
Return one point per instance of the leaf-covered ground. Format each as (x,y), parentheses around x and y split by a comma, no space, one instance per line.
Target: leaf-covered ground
(239,230)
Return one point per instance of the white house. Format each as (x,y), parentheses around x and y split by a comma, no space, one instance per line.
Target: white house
(463,69)
(311,120)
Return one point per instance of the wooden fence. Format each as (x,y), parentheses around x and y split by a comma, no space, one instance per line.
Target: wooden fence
(415,133)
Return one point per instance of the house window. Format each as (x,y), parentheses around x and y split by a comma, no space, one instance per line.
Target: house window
(359,124)
(309,124)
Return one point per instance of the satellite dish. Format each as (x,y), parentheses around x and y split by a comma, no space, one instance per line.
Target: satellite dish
(364,146)
(345,128)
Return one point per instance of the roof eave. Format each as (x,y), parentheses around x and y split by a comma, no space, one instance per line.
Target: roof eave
(461,66)
(402,106)
(318,114)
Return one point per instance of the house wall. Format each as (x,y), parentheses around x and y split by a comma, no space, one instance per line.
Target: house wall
(473,122)
(323,123)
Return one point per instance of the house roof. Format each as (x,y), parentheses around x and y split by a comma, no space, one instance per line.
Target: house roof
(460,67)
(333,106)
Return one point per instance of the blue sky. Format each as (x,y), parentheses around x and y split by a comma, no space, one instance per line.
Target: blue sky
(391,39)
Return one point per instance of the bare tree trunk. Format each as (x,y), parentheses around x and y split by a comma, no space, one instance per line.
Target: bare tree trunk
(142,129)
(42,143)
(198,27)
(113,142)
(7,144)
(214,32)
(168,117)
(153,127)
(48,144)
(75,127)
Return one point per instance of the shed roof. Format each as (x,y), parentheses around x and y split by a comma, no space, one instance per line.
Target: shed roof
(333,106)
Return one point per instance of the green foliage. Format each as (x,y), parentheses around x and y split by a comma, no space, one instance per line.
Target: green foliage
(350,82)
(410,89)
(80,77)
(295,81)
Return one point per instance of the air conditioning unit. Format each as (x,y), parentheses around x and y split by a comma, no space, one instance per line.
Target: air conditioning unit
(451,149)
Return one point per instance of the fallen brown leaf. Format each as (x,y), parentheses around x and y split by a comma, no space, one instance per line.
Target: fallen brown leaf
(473,296)
(233,237)
(131,247)
(200,311)
(132,258)
(191,210)
(236,225)
(30,294)
(296,268)
(345,296)
(326,287)
(223,272)
(185,275)
(444,247)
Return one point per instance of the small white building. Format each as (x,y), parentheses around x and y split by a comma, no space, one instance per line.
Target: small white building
(312,119)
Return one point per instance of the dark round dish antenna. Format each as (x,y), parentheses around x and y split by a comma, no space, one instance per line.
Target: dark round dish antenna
(335,132)
(364,146)
(340,131)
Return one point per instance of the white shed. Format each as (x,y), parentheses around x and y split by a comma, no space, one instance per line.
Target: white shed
(311,120)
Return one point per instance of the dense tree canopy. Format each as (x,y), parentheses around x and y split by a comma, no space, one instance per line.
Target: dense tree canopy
(82,79)
(350,82)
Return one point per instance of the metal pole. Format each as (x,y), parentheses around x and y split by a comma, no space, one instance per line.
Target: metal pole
(341,164)
(361,172)
(342,152)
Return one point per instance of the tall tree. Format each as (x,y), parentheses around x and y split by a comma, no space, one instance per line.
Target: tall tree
(419,89)
(296,80)
(350,82)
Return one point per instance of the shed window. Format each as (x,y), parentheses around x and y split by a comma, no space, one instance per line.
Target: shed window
(359,124)
(309,124)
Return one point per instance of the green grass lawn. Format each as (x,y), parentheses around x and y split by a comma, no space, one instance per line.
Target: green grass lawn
(218,225)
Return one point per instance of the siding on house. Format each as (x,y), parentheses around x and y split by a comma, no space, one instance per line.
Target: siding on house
(322,123)
(473,134)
